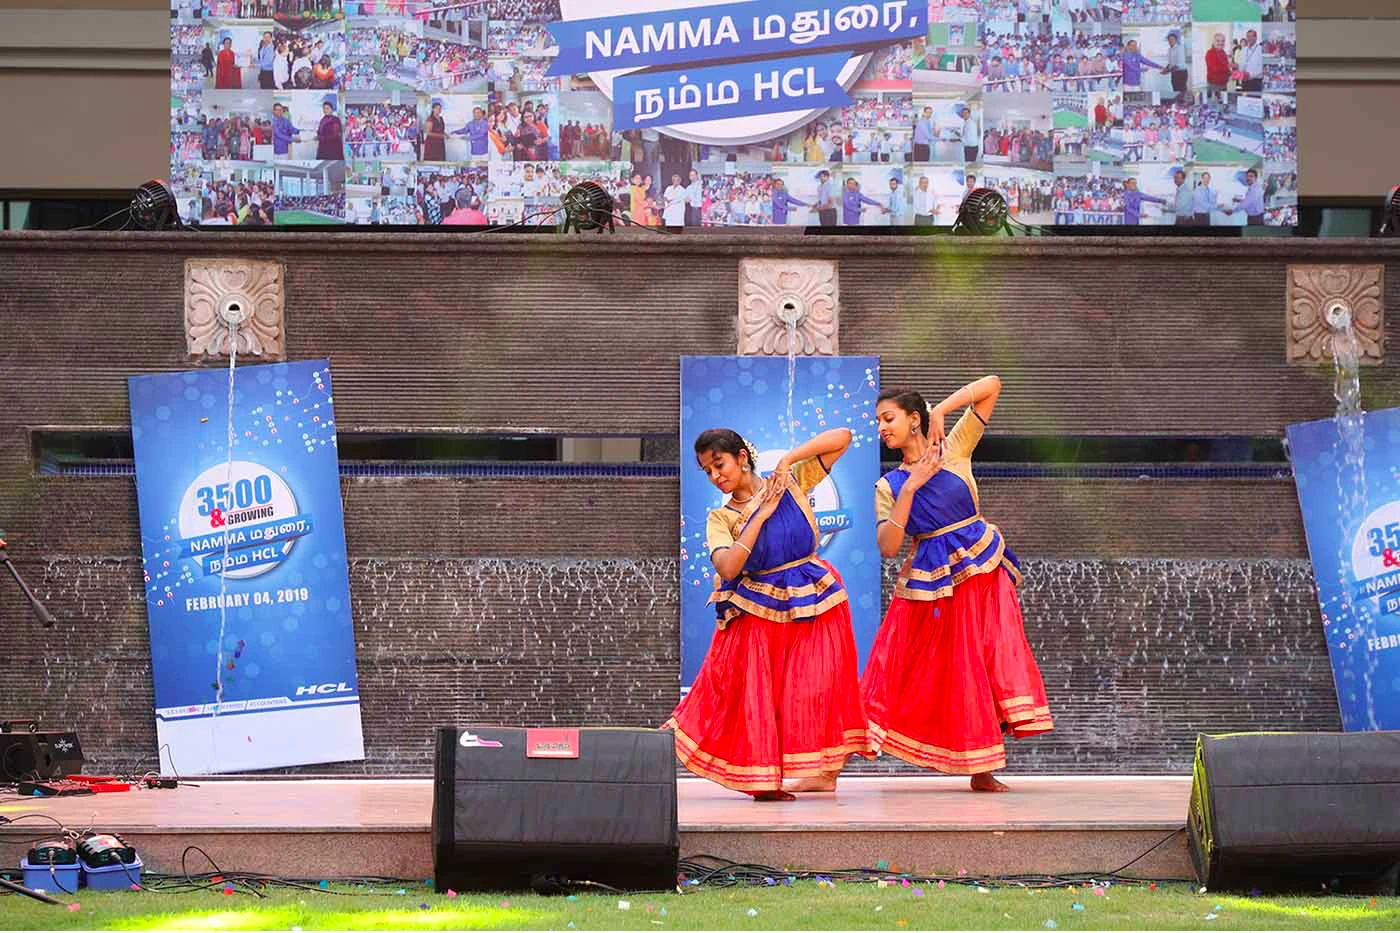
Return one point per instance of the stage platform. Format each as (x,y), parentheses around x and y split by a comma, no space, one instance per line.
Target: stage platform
(357,827)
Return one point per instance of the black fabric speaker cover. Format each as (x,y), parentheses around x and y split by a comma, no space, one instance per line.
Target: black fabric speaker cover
(26,756)
(504,821)
(1296,810)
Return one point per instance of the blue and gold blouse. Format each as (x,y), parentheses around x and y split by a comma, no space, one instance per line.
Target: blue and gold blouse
(782,580)
(952,541)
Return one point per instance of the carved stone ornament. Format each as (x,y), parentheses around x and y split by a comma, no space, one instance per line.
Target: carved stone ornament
(1323,297)
(247,293)
(783,297)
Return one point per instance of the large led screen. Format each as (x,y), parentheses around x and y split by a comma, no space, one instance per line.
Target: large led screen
(767,112)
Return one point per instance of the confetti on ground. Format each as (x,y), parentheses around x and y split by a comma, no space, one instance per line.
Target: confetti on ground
(879,907)
(400,891)
(451,893)
(1077,906)
(769,881)
(753,911)
(901,923)
(1099,892)
(423,906)
(74,907)
(882,883)
(1201,891)
(982,890)
(1050,924)
(917,892)
(1218,908)
(136,887)
(1152,886)
(228,889)
(1211,916)
(906,882)
(663,911)
(572,926)
(325,885)
(571,897)
(505,905)
(624,905)
(942,885)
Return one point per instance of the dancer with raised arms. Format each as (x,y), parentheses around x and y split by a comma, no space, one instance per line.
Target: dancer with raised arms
(777,698)
(950,669)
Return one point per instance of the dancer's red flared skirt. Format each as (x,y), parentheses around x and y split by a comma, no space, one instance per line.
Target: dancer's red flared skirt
(773,701)
(944,676)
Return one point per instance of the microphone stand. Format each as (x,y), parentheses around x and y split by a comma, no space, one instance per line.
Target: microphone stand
(47,619)
(40,610)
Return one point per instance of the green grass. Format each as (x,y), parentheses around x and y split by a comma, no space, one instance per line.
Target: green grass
(1224,11)
(1068,119)
(1098,155)
(803,906)
(1210,151)
(304,217)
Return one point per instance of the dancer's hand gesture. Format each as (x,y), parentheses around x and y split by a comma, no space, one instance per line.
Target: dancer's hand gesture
(923,469)
(777,484)
(936,430)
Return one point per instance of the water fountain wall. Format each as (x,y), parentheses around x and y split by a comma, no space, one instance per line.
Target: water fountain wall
(1157,607)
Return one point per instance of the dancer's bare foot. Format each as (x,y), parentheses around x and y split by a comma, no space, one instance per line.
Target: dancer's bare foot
(985,782)
(820,784)
(770,795)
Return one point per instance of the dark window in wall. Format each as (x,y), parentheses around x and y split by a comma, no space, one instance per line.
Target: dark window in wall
(63,211)
(1317,217)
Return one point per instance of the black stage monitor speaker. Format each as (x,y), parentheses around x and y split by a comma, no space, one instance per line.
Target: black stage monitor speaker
(27,756)
(1293,811)
(551,808)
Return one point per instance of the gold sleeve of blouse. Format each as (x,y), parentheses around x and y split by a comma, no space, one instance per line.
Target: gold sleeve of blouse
(963,439)
(884,501)
(809,473)
(719,529)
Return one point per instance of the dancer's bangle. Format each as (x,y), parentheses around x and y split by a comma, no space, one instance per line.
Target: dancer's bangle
(895,524)
(744,546)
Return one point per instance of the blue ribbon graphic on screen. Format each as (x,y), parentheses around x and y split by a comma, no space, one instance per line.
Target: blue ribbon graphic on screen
(777,41)
(731,30)
(721,91)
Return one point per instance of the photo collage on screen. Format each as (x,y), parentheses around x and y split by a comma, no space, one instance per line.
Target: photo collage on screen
(408,112)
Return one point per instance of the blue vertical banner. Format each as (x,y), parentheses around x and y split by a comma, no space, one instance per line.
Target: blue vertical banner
(751,396)
(254,549)
(1349,492)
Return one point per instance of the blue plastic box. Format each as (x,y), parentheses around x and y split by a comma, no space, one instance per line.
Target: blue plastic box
(113,877)
(63,879)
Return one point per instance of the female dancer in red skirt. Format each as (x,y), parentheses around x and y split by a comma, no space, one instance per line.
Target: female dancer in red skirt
(777,697)
(950,668)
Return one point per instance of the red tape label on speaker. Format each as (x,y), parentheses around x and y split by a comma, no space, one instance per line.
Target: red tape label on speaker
(551,743)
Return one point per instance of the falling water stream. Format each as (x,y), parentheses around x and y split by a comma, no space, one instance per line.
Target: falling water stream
(1352,495)
(223,567)
(791,379)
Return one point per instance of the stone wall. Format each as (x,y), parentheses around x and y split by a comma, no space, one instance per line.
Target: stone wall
(1157,607)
